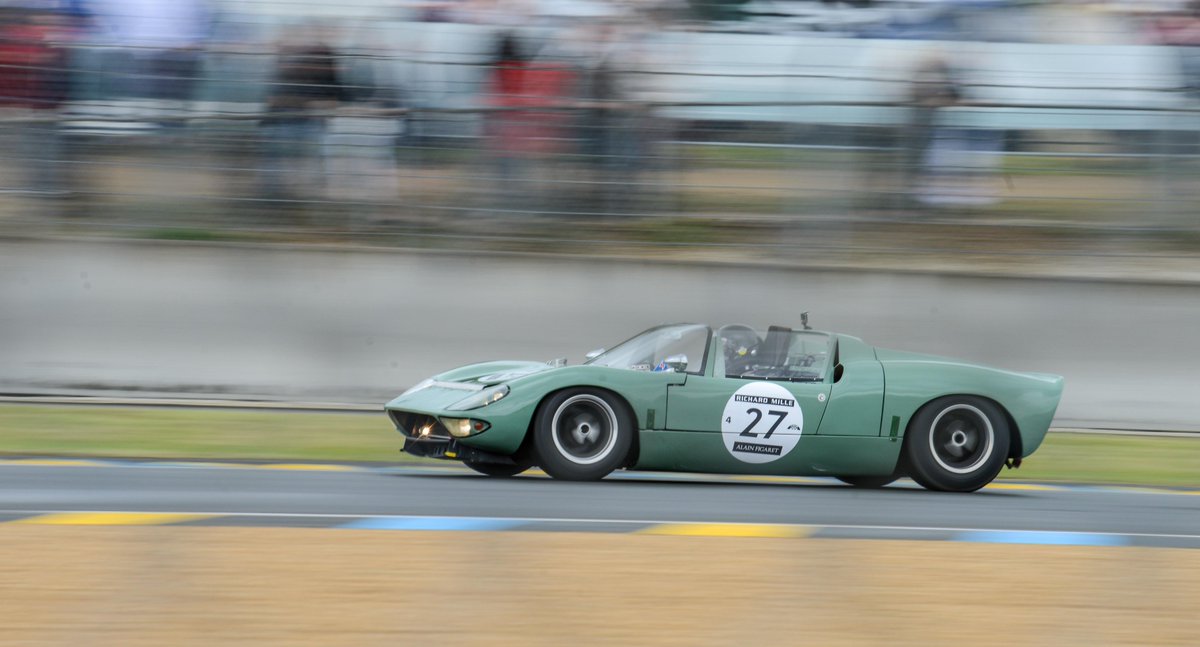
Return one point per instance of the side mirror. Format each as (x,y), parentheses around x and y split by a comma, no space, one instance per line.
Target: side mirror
(837,372)
(594,354)
(677,363)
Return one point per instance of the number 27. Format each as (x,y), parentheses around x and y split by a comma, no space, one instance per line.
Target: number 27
(779,416)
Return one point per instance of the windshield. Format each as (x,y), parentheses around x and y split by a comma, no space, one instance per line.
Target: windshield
(777,354)
(678,347)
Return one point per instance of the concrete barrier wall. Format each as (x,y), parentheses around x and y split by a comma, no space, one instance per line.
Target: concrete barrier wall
(361,326)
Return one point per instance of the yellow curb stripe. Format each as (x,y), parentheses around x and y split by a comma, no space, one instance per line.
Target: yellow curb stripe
(1021,486)
(111,518)
(726,530)
(306,467)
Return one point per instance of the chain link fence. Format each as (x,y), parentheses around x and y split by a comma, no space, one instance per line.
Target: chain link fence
(597,133)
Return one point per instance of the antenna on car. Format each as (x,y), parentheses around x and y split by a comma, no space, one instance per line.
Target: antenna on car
(804,321)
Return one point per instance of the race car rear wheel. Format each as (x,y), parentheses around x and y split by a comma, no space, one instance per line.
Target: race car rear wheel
(869,482)
(582,434)
(957,444)
(500,470)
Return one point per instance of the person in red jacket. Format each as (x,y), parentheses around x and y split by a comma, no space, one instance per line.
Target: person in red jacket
(527,122)
(33,86)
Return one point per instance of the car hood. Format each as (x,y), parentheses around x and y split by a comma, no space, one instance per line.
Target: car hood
(489,373)
(445,389)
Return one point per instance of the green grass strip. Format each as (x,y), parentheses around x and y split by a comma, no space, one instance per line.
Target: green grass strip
(334,437)
(1108,458)
(197,433)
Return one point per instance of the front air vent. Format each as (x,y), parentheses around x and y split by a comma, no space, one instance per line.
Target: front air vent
(419,426)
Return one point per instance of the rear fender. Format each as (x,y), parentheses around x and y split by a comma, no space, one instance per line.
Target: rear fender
(1029,399)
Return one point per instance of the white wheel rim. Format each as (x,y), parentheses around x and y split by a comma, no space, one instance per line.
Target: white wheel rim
(591,425)
(975,441)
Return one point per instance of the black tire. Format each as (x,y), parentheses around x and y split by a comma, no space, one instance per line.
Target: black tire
(868,482)
(957,444)
(582,434)
(498,470)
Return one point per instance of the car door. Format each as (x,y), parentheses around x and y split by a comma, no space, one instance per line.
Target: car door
(736,423)
(748,411)
(754,409)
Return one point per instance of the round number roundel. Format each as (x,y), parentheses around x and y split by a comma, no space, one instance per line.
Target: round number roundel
(762,422)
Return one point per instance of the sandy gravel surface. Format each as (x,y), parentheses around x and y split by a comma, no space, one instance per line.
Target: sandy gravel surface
(193,585)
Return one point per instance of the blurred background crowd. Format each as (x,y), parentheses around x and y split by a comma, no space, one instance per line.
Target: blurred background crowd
(744,124)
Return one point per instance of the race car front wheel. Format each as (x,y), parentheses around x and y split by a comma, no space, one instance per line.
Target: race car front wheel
(582,434)
(957,444)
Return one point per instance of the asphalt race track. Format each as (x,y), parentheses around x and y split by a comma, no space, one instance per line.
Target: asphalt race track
(333,496)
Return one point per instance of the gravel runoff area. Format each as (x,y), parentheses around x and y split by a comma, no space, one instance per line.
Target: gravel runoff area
(184,586)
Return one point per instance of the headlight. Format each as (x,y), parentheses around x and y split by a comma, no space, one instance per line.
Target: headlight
(423,384)
(463,427)
(480,399)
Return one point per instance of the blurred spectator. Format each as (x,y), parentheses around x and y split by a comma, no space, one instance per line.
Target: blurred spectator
(33,86)
(611,125)
(933,88)
(306,86)
(518,133)
(1182,29)
(361,144)
(947,164)
(505,128)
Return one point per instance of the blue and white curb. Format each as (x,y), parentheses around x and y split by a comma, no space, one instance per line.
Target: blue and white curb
(1043,538)
(445,524)
(692,529)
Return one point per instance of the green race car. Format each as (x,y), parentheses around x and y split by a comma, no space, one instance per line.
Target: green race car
(683,397)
